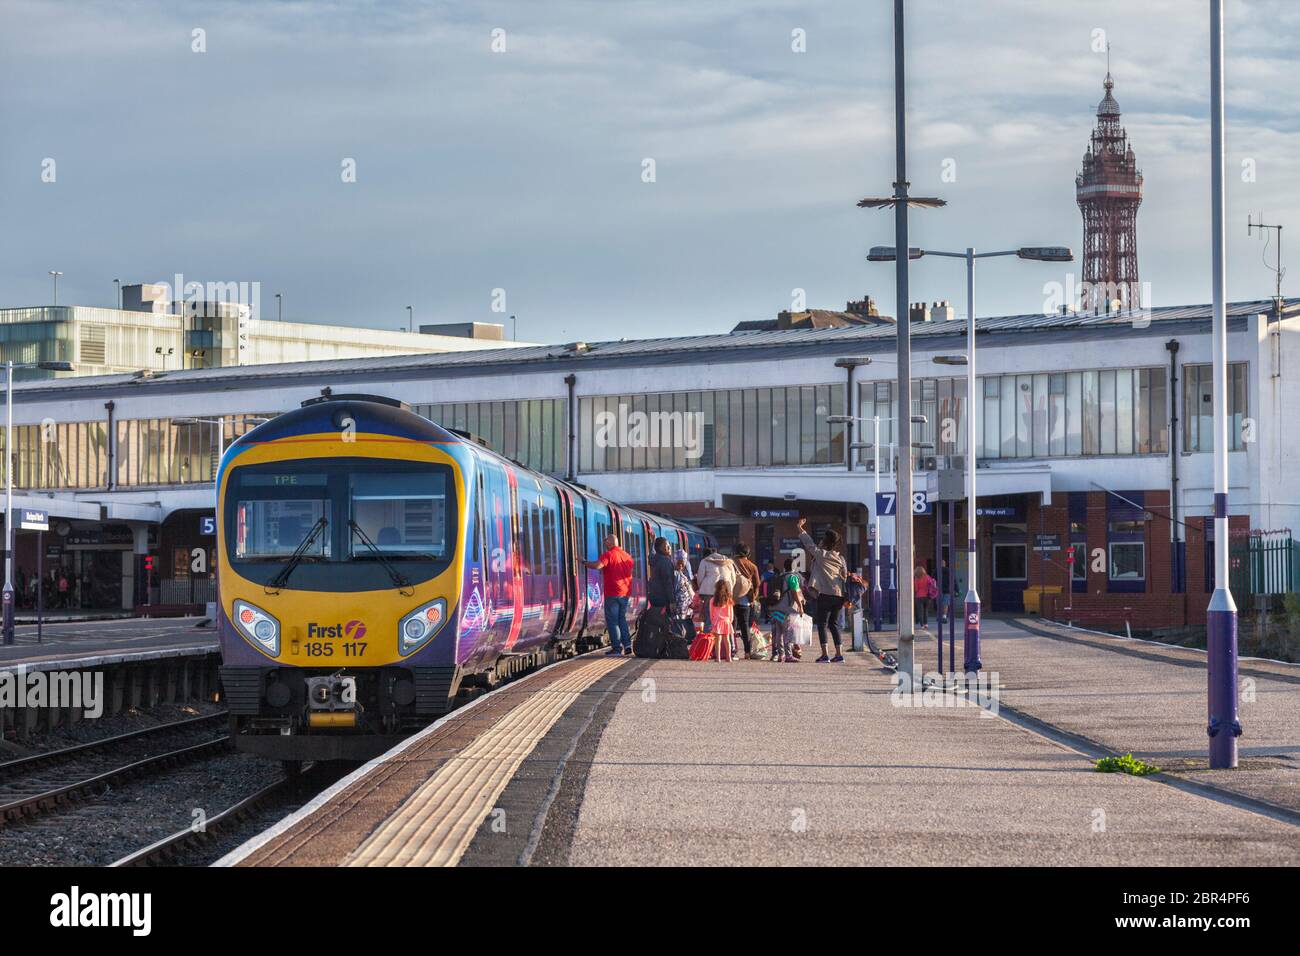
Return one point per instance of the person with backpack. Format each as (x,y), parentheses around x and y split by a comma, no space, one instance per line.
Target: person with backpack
(826,575)
(745,593)
(789,600)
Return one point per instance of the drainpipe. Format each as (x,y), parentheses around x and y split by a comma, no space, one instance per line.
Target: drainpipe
(1177,559)
(111,445)
(571,447)
(850,403)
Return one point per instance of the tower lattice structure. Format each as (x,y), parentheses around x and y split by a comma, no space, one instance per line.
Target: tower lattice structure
(1109,191)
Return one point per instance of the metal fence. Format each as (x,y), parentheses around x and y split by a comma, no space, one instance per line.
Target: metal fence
(1272,562)
(186,591)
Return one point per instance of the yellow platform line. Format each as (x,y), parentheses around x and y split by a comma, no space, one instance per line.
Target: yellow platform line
(436,823)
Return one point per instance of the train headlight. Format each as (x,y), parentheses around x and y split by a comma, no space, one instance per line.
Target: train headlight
(420,625)
(258,627)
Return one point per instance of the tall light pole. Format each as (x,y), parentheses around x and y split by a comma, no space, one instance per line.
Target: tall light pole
(279,307)
(7,623)
(54,274)
(899,202)
(1224,726)
(971,656)
(410,318)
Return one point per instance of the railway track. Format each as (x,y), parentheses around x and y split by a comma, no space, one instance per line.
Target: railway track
(44,782)
(183,846)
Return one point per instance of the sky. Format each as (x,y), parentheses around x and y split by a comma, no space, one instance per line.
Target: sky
(500,152)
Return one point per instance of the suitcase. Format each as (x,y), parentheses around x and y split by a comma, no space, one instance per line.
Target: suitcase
(678,648)
(702,648)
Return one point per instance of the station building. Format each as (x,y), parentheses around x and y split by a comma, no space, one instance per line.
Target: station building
(1094,433)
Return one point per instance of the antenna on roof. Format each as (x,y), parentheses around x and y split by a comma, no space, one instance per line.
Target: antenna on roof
(1277,270)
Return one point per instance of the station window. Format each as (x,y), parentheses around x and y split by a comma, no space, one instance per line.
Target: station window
(1198,406)
(1010,562)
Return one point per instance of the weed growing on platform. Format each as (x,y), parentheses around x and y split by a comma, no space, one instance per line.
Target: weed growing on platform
(1126,764)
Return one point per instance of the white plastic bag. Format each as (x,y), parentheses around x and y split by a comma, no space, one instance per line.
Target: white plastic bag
(801,629)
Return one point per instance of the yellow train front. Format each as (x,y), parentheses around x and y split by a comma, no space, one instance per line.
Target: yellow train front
(339,578)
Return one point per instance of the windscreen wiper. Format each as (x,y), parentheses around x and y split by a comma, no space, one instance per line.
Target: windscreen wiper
(300,552)
(399,580)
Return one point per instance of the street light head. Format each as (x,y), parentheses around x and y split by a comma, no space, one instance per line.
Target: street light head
(839,419)
(920,420)
(887,254)
(950,360)
(55,366)
(1046,253)
(853,361)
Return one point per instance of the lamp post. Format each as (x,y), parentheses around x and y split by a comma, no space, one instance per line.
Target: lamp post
(1224,725)
(410,318)
(279,307)
(54,274)
(971,633)
(8,615)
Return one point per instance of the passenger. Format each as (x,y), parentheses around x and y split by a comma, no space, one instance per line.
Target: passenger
(715,567)
(745,592)
(720,614)
(945,592)
(924,589)
(685,594)
(790,602)
(615,567)
(661,589)
(826,575)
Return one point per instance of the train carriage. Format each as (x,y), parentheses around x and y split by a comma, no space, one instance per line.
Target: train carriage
(372,565)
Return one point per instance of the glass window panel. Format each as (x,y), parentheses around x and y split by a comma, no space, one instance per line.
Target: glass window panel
(1141,412)
(992,417)
(1124,411)
(750,458)
(778,427)
(736,427)
(1159,411)
(1024,416)
(808,426)
(1056,411)
(837,431)
(765,426)
(792,425)
(1008,404)
(1040,415)
(1107,389)
(1091,413)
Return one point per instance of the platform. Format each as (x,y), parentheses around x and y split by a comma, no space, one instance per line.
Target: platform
(627,762)
(87,643)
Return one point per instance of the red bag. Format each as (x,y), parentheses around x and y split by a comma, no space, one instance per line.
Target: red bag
(702,647)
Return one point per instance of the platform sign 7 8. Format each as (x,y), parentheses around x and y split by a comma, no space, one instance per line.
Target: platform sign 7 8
(887,503)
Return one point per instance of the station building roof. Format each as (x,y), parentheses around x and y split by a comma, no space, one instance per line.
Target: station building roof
(719,347)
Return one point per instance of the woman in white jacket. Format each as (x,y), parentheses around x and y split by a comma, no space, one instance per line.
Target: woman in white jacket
(715,567)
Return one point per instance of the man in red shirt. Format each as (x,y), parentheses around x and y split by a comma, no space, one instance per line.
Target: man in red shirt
(615,567)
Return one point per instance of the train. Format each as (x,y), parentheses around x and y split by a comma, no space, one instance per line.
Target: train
(372,566)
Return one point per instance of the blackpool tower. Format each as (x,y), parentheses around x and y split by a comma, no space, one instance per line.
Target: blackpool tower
(1109,191)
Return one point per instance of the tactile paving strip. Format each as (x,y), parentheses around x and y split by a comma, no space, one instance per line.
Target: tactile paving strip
(437,822)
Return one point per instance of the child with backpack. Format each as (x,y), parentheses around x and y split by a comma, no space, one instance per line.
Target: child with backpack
(789,600)
(721,610)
